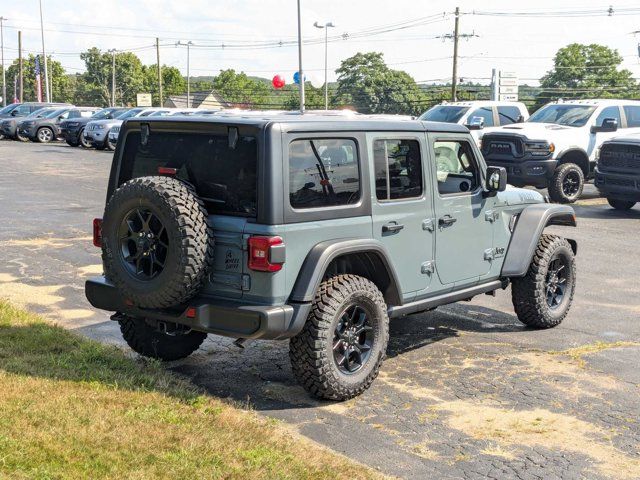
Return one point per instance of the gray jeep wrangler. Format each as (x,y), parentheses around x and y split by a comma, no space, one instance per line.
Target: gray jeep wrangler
(317,229)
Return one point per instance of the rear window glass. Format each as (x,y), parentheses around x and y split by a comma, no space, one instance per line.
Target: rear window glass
(223,177)
(323,172)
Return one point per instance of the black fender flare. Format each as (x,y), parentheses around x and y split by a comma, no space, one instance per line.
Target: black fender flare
(530,225)
(322,254)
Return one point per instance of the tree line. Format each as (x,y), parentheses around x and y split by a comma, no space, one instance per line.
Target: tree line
(364,82)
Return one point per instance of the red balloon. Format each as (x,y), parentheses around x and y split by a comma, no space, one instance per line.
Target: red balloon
(278,81)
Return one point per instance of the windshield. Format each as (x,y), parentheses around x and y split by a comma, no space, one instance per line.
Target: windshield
(55,113)
(567,115)
(9,108)
(42,113)
(102,114)
(444,113)
(129,113)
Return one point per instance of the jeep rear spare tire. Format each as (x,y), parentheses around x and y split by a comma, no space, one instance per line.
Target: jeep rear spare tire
(157,245)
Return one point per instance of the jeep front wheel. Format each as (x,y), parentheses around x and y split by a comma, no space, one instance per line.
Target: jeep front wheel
(567,183)
(338,353)
(45,135)
(148,339)
(542,297)
(621,204)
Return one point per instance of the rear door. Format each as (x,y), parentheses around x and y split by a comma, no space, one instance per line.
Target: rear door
(464,219)
(402,207)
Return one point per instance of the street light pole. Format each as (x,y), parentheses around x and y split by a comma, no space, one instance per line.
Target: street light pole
(326,27)
(4,77)
(300,72)
(188,45)
(113,76)
(44,55)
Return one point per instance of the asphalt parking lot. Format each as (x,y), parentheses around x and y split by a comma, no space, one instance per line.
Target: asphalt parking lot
(466,392)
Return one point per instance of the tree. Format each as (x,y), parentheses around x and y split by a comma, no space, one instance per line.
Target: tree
(240,90)
(586,71)
(129,75)
(366,83)
(173,83)
(60,87)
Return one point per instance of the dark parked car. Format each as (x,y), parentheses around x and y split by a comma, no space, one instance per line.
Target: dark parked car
(46,128)
(72,129)
(12,114)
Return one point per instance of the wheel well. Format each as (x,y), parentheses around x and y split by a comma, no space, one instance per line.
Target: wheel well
(368,265)
(578,157)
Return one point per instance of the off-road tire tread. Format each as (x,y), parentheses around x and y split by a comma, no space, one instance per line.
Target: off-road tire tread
(196,241)
(555,185)
(309,362)
(528,293)
(147,341)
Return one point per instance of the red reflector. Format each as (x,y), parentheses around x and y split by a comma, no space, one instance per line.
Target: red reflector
(97,232)
(128,302)
(167,171)
(191,312)
(260,254)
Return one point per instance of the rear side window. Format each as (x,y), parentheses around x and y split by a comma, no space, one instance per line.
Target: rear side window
(398,169)
(224,177)
(323,172)
(486,113)
(632,112)
(508,114)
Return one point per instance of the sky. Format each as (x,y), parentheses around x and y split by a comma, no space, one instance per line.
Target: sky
(251,30)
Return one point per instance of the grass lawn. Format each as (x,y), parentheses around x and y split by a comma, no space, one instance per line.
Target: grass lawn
(74,408)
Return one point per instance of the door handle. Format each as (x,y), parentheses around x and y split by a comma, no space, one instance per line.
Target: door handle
(392,228)
(446,221)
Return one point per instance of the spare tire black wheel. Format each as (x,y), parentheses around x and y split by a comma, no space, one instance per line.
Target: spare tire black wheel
(157,245)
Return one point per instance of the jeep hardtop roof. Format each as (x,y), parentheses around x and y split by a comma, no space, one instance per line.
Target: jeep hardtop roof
(312,122)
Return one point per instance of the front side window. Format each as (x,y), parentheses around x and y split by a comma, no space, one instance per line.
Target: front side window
(456,167)
(508,114)
(632,112)
(398,169)
(609,112)
(486,113)
(323,172)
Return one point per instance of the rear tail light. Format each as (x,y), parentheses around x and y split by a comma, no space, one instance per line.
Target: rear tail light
(167,171)
(266,254)
(97,232)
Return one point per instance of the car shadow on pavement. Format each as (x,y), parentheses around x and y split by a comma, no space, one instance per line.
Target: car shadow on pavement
(607,213)
(260,375)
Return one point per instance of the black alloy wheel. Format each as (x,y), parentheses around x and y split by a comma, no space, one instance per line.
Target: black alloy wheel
(352,340)
(556,282)
(571,184)
(144,243)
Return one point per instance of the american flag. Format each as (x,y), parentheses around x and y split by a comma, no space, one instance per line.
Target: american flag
(38,79)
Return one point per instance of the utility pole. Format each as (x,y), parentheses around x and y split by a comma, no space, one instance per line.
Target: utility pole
(188,45)
(20,73)
(44,56)
(113,76)
(159,72)
(454,77)
(4,77)
(300,72)
(456,36)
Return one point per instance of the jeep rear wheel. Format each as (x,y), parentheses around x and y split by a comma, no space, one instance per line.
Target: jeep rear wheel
(157,245)
(542,297)
(150,339)
(621,204)
(338,353)
(567,183)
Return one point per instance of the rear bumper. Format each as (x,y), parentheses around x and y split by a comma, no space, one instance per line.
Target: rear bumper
(227,318)
(536,173)
(8,130)
(619,186)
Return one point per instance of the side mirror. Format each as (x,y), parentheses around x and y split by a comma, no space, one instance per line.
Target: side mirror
(496,180)
(14,113)
(520,119)
(608,125)
(476,123)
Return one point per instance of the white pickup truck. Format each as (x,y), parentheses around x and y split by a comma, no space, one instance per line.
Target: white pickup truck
(556,148)
(478,115)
